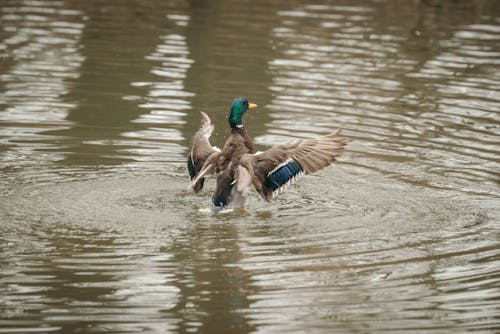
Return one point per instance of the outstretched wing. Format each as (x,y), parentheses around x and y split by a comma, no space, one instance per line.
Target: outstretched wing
(279,166)
(201,150)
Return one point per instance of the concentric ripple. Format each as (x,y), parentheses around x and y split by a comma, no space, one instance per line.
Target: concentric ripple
(98,101)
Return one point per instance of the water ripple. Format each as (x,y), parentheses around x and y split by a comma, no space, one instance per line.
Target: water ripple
(343,77)
(166,100)
(97,232)
(41,56)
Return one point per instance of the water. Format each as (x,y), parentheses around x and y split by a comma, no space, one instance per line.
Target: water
(99,100)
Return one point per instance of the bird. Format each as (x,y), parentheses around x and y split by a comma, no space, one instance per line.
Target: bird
(237,167)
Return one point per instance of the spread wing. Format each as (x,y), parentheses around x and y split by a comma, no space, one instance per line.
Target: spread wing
(271,171)
(201,150)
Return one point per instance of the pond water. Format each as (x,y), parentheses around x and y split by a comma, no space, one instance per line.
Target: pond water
(98,103)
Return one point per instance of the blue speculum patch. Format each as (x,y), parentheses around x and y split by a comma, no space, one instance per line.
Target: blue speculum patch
(283,175)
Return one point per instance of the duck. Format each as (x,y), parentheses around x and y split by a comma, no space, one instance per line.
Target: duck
(237,167)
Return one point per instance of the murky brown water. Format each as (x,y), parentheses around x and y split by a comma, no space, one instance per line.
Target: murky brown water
(99,100)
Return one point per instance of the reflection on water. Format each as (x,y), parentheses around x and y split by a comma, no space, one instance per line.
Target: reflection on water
(356,75)
(167,99)
(99,99)
(40,56)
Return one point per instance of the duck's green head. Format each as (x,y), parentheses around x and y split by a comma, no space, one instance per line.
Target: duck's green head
(238,108)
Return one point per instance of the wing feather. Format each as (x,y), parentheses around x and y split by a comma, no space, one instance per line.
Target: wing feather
(201,150)
(281,165)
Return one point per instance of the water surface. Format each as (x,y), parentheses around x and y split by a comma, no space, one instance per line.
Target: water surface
(98,103)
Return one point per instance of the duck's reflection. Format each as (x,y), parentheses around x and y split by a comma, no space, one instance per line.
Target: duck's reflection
(213,294)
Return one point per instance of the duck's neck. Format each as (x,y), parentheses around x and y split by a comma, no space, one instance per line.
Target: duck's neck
(241,131)
(235,118)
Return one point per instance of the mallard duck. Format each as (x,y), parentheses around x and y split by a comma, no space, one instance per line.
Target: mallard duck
(237,167)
